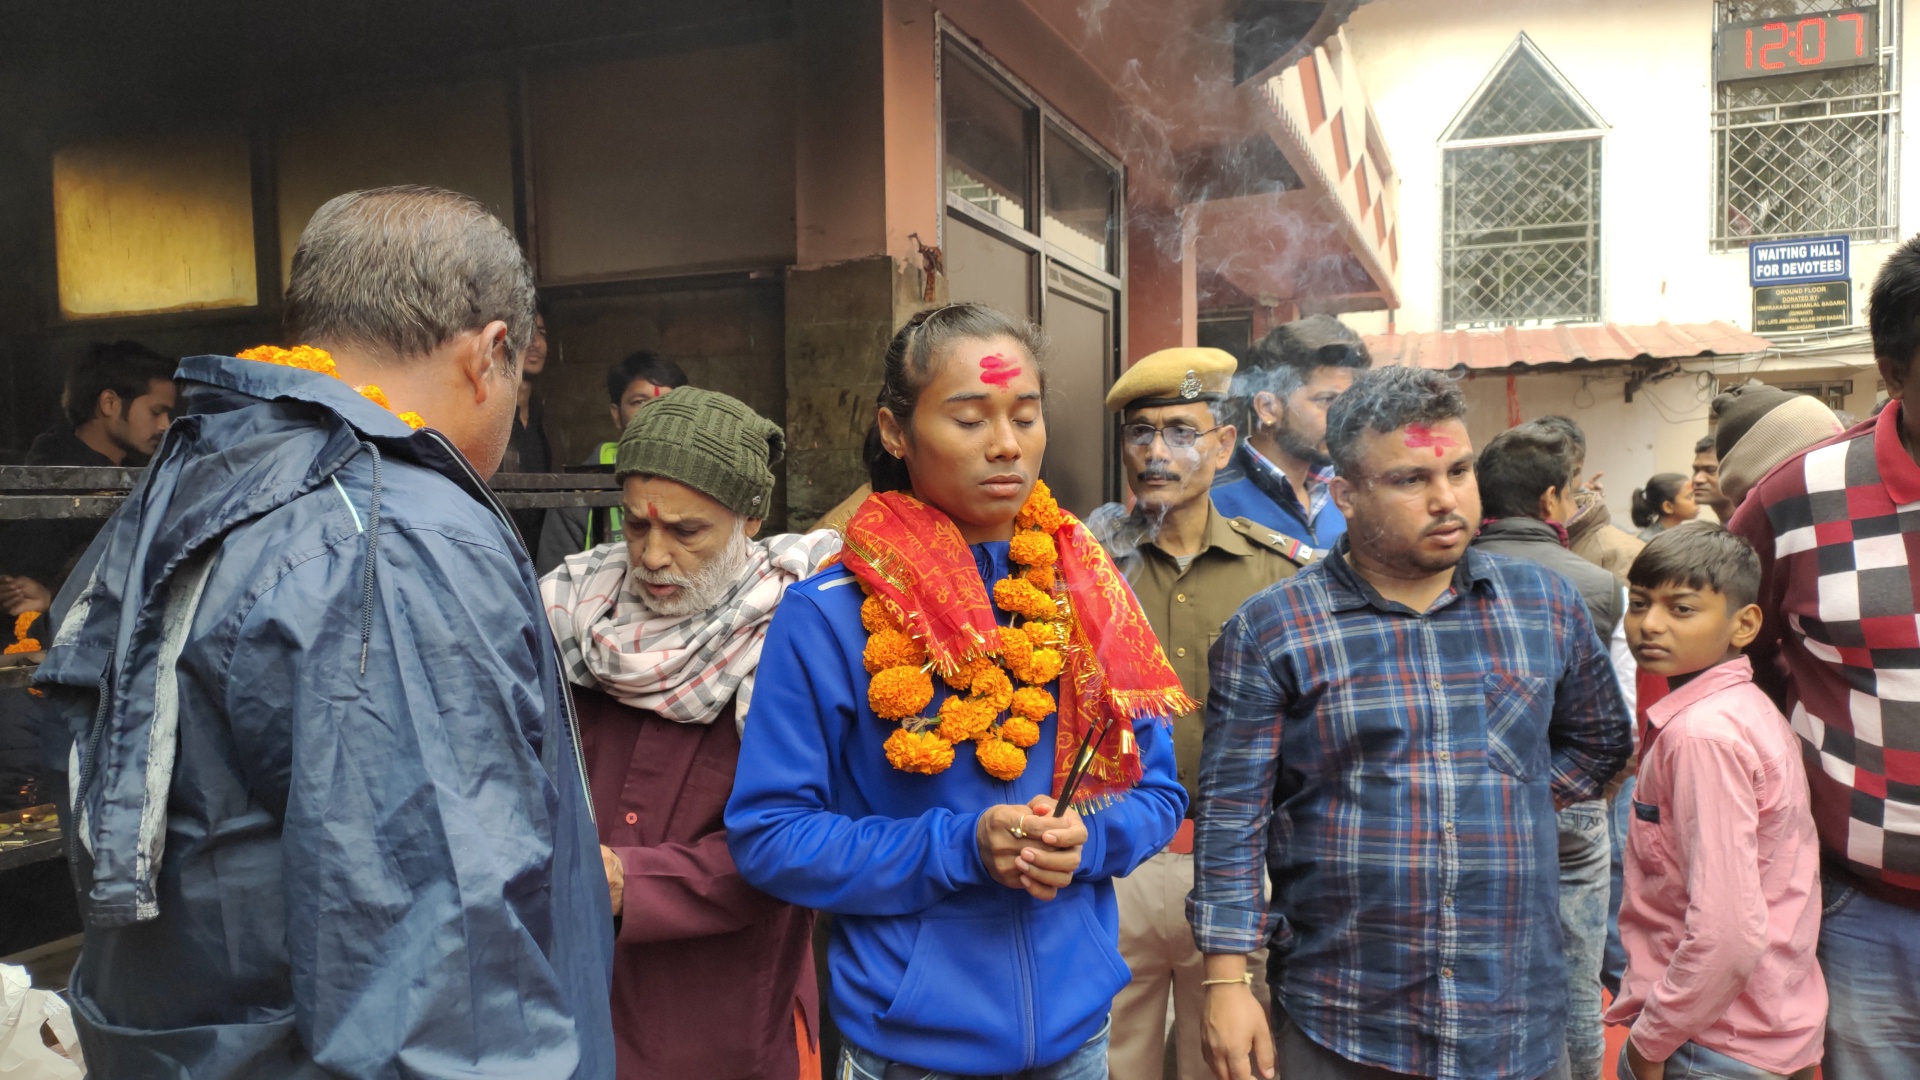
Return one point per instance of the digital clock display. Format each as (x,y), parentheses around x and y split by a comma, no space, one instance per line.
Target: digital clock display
(1787,46)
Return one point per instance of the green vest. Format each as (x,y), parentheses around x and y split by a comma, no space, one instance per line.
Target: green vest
(613,516)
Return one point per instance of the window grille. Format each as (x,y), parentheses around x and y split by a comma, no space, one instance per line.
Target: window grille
(1520,234)
(1811,154)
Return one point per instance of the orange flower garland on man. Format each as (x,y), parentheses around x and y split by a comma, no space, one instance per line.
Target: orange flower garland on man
(919,707)
(348,835)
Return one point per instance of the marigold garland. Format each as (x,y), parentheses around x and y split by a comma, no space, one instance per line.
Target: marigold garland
(1001,759)
(873,616)
(892,648)
(21,642)
(984,690)
(919,751)
(1017,595)
(899,692)
(1020,731)
(308,358)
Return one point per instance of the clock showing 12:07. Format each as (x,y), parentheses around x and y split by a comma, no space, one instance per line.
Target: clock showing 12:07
(1790,45)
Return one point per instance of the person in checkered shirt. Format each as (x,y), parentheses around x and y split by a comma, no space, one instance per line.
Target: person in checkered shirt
(1837,527)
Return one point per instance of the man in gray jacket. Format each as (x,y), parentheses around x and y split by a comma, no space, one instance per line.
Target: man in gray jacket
(1527,478)
(328,808)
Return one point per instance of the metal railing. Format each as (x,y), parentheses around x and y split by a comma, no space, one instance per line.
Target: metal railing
(64,493)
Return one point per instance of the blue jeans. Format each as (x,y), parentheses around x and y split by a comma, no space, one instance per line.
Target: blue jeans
(1870,952)
(1584,854)
(1087,1063)
(1695,1062)
(1614,967)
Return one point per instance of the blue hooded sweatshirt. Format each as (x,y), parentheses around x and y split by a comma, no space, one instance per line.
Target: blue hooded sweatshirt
(331,819)
(933,963)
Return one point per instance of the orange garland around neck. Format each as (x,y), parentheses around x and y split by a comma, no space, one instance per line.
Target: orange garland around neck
(1002,721)
(308,358)
(21,642)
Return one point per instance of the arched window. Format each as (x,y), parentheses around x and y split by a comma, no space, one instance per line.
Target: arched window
(1520,226)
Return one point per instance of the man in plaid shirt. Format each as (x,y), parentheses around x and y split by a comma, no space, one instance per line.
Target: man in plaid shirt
(1837,527)
(1393,729)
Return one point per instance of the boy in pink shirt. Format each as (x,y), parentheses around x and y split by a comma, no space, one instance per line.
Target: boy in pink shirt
(1722,908)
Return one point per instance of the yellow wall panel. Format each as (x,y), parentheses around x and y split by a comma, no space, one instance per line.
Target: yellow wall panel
(154,224)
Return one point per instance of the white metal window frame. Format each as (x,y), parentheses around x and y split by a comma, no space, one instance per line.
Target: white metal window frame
(1887,98)
(1596,132)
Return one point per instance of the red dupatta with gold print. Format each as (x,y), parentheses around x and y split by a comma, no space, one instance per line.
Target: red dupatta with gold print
(912,558)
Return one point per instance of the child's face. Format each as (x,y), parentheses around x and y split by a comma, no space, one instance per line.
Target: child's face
(1676,629)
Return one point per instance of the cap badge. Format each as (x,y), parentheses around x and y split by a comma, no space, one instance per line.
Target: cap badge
(1190,386)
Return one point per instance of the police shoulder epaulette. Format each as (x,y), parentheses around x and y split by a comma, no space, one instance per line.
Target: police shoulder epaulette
(1274,541)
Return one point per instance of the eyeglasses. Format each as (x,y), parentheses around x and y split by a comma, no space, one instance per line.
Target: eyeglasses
(1178,436)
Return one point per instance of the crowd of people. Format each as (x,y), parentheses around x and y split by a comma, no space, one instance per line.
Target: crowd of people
(1343,748)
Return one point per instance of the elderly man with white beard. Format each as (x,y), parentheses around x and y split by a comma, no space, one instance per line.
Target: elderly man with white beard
(661,634)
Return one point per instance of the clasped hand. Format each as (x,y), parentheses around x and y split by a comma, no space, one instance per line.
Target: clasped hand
(1042,856)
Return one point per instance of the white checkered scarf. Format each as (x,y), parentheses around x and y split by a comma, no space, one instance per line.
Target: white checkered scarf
(684,668)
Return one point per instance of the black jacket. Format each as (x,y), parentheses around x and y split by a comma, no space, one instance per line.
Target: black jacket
(1537,541)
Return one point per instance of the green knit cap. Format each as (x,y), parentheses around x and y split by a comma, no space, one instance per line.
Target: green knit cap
(708,441)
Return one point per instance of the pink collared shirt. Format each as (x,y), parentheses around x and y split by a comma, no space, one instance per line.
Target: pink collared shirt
(1721,913)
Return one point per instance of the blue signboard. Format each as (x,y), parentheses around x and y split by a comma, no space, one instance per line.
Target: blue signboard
(1798,262)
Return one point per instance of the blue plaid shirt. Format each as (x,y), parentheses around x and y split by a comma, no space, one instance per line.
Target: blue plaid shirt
(1400,771)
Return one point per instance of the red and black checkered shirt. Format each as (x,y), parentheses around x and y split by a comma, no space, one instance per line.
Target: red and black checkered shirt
(1838,532)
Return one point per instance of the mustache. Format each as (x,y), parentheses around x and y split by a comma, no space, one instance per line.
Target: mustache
(1155,472)
(658,577)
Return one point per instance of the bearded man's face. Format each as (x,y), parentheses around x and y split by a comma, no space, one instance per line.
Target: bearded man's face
(685,551)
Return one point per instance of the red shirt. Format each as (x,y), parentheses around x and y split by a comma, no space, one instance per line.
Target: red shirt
(1721,912)
(708,971)
(1836,526)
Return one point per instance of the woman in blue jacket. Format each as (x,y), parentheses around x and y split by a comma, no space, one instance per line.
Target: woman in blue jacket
(900,765)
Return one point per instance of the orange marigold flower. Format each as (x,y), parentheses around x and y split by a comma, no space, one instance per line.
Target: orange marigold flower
(900,692)
(22,622)
(1001,759)
(892,648)
(873,616)
(963,678)
(413,420)
(1016,648)
(994,688)
(374,394)
(918,751)
(1047,664)
(1020,731)
(1041,511)
(1033,703)
(1041,577)
(1018,596)
(24,645)
(963,718)
(1032,548)
(1043,633)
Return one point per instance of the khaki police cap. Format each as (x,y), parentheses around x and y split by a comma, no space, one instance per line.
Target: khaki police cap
(1174,377)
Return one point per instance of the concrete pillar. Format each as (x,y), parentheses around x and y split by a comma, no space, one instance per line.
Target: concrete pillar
(1162,292)
(865,185)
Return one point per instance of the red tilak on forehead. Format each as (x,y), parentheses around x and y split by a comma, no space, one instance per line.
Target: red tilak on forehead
(652,513)
(997,370)
(1420,436)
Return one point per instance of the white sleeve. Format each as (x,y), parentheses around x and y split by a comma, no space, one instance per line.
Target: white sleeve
(1624,669)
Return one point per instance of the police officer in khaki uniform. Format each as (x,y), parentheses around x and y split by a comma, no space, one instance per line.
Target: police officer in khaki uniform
(1192,568)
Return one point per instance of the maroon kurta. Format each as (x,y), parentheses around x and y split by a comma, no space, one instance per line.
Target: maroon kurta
(707,970)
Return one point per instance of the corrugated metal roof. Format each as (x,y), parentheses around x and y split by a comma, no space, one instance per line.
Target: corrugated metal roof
(1483,350)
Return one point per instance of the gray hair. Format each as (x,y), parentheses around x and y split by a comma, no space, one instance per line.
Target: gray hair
(1386,399)
(406,268)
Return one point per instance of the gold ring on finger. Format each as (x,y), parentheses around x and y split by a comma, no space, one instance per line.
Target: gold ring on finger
(1018,832)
